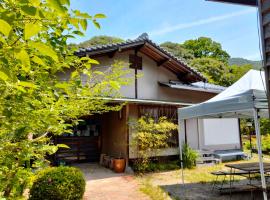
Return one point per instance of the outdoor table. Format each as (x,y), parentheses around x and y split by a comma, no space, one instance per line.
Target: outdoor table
(247,169)
(252,167)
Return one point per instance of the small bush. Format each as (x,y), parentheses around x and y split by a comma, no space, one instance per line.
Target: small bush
(265,144)
(156,166)
(58,183)
(149,138)
(189,157)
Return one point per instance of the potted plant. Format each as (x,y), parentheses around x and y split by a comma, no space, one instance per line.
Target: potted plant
(119,163)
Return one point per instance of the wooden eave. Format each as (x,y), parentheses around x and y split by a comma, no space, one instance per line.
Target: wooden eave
(183,72)
(240,2)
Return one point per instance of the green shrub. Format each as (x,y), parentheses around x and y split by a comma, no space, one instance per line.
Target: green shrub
(156,166)
(265,143)
(189,157)
(149,138)
(58,183)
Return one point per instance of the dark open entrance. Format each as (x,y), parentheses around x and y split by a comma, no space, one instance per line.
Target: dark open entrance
(100,133)
(84,143)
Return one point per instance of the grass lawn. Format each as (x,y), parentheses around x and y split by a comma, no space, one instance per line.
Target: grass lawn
(152,183)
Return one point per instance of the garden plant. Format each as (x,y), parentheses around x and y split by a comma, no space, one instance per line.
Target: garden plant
(35,103)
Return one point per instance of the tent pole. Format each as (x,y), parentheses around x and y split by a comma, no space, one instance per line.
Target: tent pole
(180,149)
(259,147)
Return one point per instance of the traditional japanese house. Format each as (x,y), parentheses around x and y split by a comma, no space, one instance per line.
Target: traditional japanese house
(167,84)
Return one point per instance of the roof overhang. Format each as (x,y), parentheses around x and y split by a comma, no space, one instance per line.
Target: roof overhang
(241,2)
(147,101)
(190,87)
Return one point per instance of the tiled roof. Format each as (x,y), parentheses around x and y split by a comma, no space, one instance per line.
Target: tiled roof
(142,39)
(197,86)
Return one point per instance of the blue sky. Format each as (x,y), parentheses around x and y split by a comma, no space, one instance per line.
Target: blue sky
(235,27)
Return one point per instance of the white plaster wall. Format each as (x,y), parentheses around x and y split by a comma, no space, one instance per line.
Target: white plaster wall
(220,134)
(213,134)
(126,91)
(181,131)
(148,87)
(192,133)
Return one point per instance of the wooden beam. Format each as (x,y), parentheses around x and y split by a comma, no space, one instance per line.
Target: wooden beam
(112,53)
(264,19)
(241,2)
(265,6)
(162,62)
(185,77)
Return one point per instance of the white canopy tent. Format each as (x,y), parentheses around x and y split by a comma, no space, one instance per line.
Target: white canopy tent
(246,98)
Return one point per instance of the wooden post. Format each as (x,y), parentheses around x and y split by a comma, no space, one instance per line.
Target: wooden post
(264,20)
(136,80)
(127,133)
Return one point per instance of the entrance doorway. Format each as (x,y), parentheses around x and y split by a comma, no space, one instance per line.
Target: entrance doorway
(84,143)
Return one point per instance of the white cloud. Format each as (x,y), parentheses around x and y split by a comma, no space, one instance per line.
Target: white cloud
(172,28)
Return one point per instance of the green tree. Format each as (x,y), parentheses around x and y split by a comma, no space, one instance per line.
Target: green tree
(218,72)
(178,50)
(205,47)
(211,68)
(99,40)
(34,102)
(235,72)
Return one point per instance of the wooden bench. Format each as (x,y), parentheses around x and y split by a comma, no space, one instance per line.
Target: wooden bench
(224,174)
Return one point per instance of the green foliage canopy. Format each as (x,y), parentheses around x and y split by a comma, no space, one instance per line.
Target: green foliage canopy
(206,47)
(211,68)
(98,40)
(241,61)
(178,50)
(218,72)
(208,57)
(35,102)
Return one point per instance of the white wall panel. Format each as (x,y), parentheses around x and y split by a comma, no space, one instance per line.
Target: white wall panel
(221,131)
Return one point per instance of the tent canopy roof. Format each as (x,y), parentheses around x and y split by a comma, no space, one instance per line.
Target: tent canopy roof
(237,101)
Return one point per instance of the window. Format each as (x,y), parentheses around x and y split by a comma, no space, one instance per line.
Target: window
(135,61)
